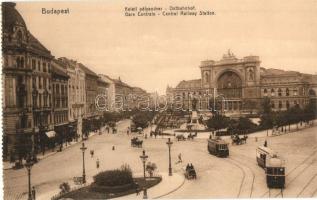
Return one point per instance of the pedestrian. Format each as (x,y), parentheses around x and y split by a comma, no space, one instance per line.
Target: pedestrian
(113,148)
(33,193)
(191,166)
(92,153)
(180,158)
(137,188)
(265,143)
(97,163)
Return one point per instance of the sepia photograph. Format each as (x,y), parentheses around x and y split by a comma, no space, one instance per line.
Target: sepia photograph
(149,99)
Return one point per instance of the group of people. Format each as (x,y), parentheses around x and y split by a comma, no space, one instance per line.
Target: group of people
(92,152)
(189,166)
(114,129)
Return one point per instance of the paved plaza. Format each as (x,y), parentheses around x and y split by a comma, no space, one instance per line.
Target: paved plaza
(236,176)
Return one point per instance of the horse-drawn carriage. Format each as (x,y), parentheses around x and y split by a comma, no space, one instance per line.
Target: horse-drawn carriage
(183,137)
(136,142)
(190,172)
(237,140)
(180,137)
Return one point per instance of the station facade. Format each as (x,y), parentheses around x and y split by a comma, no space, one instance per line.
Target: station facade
(237,86)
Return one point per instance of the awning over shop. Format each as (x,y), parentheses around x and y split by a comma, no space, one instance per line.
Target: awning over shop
(50,134)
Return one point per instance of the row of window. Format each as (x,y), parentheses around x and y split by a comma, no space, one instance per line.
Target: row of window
(280,92)
(44,119)
(45,67)
(60,117)
(280,104)
(60,89)
(41,83)
(42,100)
(61,102)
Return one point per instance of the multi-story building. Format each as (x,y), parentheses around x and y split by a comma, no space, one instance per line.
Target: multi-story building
(101,99)
(76,96)
(110,92)
(140,99)
(123,95)
(60,101)
(27,111)
(236,86)
(91,91)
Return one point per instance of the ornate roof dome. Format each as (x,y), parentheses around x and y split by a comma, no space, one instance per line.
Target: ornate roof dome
(11,17)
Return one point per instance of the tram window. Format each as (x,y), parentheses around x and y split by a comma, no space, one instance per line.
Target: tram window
(269,170)
(262,156)
(281,171)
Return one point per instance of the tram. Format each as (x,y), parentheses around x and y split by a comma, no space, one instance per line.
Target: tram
(275,173)
(263,154)
(218,147)
(274,167)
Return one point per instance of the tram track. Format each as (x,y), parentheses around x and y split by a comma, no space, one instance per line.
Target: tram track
(230,160)
(314,192)
(296,176)
(253,176)
(306,185)
(293,170)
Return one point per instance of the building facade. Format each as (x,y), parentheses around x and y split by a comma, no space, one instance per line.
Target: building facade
(123,95)
(101,99)
(110,92)
(237,86)
(27,109)
(60,101)
(91,117)
(76,96)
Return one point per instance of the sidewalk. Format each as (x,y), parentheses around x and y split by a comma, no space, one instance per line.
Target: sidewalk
(8,165)
(168,185)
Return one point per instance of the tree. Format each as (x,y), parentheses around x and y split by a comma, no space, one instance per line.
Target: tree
(245,124)
(142,119)
(267,116)
(310,111)
(150,168)
(293,115)
(64,187)
(217,122)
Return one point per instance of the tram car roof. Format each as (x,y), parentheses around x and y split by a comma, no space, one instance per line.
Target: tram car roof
(275,162)
(218,141)
(268,151)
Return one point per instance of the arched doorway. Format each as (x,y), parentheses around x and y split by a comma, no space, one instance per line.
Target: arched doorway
(229,86)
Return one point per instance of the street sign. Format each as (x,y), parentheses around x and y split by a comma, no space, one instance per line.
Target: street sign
(78,180)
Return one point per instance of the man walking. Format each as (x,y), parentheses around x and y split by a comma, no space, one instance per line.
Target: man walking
(97,163)
(33,193)
(180,158)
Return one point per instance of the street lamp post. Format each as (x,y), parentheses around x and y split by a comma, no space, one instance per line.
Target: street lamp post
(83,149)
(28,166)
(169,144)
(144,158)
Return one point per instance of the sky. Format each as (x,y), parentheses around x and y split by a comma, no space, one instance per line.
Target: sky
(153,52)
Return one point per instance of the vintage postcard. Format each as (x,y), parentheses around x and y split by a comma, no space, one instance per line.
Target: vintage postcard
(148,99)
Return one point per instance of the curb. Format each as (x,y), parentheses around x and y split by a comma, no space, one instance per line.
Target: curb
(171,190)
(53,153)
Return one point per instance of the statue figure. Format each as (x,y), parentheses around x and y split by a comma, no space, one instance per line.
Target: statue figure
(206,77)
(251,74)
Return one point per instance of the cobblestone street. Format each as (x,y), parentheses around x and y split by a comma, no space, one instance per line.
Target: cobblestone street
(236,176)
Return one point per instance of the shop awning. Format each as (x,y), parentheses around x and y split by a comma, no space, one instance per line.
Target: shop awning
(50,134)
